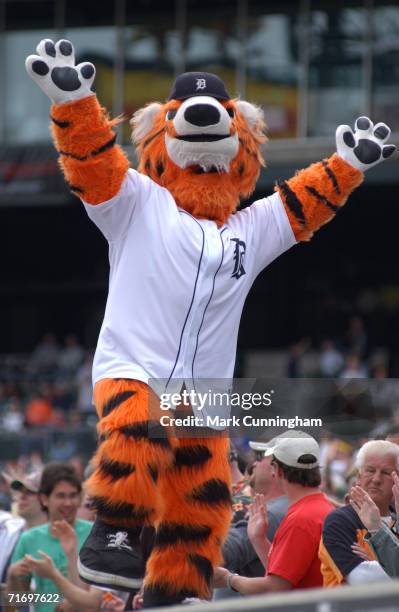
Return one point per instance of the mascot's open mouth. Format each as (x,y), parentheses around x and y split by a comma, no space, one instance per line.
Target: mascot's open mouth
(203,137)
(200,170)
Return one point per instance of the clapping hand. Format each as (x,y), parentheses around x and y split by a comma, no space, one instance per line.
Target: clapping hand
(65,533)
(258,521)
(43,567)
(366,509)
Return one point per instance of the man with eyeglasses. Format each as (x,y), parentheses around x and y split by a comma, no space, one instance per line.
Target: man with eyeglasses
(345,554)
(291,560)
(238,551)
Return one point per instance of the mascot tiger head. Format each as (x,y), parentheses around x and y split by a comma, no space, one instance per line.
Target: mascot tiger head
(201,145)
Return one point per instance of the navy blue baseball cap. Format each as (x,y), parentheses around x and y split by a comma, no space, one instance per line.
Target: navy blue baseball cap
(191,84)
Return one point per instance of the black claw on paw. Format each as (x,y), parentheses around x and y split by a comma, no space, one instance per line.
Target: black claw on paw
(388,150)
(66,47)
(349,139)
(367,151)
(40,68)
(65,78)
(362,123)
(87,71)
(50,48)
(381,132)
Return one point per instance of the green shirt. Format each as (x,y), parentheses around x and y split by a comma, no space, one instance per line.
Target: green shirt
(40,538)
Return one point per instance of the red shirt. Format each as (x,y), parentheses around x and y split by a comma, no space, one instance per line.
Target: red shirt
(294,551)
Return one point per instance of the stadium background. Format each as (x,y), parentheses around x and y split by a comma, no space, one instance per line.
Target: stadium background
(311,65)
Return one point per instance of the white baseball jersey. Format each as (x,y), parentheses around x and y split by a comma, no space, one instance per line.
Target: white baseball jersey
(178,284)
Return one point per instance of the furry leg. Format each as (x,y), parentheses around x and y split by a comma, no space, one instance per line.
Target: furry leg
(133,449)
(196,514)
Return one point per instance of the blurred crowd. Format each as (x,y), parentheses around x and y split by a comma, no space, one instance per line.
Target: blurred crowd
(329,508)
(349,355)
(51,387)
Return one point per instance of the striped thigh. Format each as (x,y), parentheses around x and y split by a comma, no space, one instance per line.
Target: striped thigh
(132,451)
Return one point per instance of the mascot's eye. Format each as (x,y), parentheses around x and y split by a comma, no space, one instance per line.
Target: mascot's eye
(171,114)
(230,111)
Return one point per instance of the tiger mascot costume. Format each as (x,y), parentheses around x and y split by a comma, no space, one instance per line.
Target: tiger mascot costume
(182,261)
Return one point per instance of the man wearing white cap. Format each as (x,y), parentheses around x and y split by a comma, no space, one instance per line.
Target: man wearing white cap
(292,559)
(30,514)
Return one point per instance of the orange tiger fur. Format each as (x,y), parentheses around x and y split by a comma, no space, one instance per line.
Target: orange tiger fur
(211,196)
(93,164)
(314,195)
(136,405)
(142,480)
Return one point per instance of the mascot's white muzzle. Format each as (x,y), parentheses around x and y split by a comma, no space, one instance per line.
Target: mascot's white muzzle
(203,137)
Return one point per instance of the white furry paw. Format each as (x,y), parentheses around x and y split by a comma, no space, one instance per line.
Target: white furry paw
(365,147)
(54,70)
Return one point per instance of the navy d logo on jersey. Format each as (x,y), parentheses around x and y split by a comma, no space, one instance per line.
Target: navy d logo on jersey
(239,254)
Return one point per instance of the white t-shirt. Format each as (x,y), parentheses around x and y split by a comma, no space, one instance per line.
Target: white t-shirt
(178,284)
(10,530)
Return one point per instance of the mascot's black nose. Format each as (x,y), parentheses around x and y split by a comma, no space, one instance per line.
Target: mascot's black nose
(202,114)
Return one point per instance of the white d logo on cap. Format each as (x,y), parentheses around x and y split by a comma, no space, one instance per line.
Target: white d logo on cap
(201,84)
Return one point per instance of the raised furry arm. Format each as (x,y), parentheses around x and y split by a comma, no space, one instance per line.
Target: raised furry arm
(314,195)
(93,165)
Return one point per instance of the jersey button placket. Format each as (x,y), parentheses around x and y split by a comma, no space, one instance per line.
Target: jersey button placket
(210,263)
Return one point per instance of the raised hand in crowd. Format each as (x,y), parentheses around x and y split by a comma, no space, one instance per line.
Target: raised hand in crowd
(395,491)
(257,522)
(367,510)
(257,528)
(66,535)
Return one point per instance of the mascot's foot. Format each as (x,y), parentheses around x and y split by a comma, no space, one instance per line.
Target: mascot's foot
(112,557)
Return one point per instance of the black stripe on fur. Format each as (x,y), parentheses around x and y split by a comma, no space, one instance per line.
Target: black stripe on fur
(152,431)
(212,492)
(115,469)
(322,198)
(203,567)
(331,176)
(292,201)
(75,188)
(104,147)
(160,167)
(153,472)
(103,437)
(169,534)
(192,456)
(101,149)
(115,401)
(72,155)
(121,510)
(60,124)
